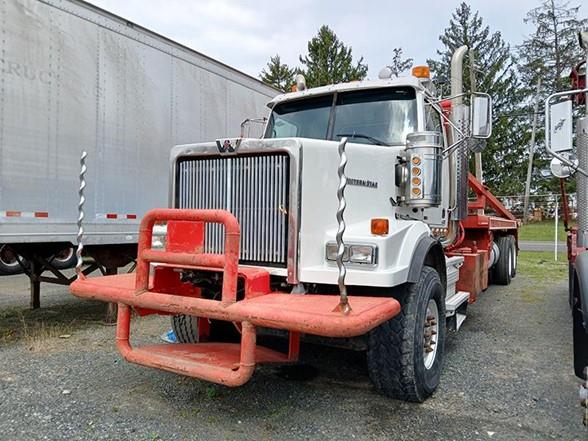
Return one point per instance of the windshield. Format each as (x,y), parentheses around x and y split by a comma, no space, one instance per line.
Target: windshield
(377,116)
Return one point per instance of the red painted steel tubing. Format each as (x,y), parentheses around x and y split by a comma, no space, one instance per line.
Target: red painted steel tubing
(230,260)
(259,315)
(207,260)
(123,330)
(207,372)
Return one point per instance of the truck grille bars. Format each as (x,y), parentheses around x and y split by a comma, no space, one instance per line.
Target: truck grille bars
(254,189)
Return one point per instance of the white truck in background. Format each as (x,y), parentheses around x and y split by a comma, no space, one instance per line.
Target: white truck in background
(75,77)
(569,149)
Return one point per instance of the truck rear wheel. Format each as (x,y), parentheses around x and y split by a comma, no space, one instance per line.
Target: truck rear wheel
(405,354)
(513,267)
(503,269)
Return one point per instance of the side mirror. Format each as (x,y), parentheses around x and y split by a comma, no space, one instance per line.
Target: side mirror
(560,126)
(481,122)
(253,127)
(562,170)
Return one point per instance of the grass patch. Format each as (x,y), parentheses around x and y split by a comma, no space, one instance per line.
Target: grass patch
(36,327)
(541,266)
(542,231)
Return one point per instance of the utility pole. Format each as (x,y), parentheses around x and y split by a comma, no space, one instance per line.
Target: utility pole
(531,152)
(478,155)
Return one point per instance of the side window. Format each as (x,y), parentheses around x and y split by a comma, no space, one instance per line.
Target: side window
(432,120)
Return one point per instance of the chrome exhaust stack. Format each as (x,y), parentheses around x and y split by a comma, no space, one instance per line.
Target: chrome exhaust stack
(457,164)
(459,157)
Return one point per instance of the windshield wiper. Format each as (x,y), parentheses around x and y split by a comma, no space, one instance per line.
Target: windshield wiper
(359,135)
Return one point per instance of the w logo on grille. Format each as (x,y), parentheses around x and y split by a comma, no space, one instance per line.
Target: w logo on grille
(228,145)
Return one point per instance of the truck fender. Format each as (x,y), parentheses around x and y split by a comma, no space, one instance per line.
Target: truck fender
(581,285)
(428,252)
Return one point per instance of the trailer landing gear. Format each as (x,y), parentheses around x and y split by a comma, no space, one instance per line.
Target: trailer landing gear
(40,261)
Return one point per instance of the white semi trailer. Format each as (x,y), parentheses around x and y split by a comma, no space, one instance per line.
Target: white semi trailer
(75,77)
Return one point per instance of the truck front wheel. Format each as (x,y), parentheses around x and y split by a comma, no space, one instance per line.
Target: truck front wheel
(405,354)
(185,328)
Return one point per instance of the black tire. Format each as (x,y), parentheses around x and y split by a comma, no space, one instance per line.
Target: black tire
(8,262)
(185,328)
(515,260)
(396,348)
(503,268)
(580,335)
(66,258)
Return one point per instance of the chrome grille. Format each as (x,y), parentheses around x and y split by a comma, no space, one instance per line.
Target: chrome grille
(254,189)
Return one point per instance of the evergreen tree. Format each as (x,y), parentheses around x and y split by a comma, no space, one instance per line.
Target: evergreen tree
(495,74)
(399,64)
(549,53)
(278,74)
(552,49)
(329,61)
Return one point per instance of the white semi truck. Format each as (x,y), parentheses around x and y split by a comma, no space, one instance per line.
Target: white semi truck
(75,77)
(570,157)
(347,222)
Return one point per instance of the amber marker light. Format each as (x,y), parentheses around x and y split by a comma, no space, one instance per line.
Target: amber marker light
(421,72)
(380,226)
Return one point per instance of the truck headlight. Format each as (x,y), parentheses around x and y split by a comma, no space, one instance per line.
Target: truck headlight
(332,252)
(354,253)
(362,254)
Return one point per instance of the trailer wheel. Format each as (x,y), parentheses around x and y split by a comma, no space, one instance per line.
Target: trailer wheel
(503,268)
(405,354)
(64,259)
(8,261)
(186,328)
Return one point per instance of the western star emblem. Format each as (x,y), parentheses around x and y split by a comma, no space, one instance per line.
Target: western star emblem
(362,183)
(228,145)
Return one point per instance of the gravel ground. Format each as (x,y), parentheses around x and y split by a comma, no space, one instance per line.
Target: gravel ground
(508,375)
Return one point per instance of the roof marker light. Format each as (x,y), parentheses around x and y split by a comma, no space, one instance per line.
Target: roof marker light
(421,72)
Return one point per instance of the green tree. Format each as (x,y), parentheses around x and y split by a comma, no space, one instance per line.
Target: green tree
(549,53)
(495,68)
(329,61)
(399,64)
(278,74)
(552,49)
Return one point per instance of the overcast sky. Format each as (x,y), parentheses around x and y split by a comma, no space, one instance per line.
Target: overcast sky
(244,34)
